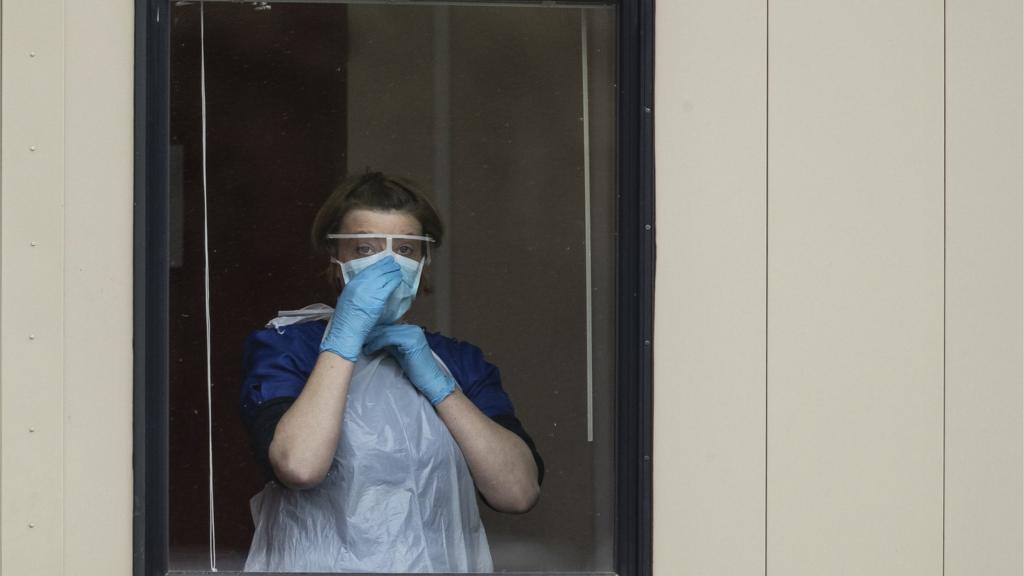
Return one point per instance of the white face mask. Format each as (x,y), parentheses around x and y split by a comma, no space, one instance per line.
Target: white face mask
(402,298)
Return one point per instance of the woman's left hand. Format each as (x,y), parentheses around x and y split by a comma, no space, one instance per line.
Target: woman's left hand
(502,466)
(408,344)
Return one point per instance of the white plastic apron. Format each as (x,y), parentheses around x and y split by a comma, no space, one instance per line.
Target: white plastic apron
(398,496)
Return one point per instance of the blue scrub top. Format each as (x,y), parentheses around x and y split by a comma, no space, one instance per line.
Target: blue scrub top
(277,365)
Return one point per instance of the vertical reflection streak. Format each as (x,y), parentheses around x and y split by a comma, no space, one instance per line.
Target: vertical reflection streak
(442,180)
(585,89)
(206,284)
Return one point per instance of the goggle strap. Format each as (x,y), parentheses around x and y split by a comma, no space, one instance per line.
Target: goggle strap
(388,236)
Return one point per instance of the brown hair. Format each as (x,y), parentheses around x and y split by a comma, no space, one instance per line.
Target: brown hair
(373,191)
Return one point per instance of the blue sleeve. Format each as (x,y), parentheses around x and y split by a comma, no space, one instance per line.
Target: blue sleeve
(277,364)
(479,379)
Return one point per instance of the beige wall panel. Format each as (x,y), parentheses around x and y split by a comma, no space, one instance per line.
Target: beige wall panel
(31,289)
(710,292)
(984,288)
(97,369)
(855,233)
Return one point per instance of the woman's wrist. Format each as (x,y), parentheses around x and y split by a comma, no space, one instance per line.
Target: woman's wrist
(447,396)
(334,352)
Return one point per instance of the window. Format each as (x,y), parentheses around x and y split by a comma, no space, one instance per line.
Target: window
(528,124)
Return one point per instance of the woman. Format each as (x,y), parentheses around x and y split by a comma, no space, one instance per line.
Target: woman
(378,435)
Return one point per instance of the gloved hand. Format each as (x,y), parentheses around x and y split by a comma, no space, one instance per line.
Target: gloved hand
(359,308)
(409,346)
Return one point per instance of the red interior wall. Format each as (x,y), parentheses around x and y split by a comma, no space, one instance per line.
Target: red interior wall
(276,130)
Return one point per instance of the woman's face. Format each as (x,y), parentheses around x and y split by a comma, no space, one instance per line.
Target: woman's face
(363,221)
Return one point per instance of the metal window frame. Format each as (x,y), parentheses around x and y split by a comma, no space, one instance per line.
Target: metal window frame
(634,285)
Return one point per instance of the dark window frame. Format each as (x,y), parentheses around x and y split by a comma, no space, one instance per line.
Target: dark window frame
(634,286)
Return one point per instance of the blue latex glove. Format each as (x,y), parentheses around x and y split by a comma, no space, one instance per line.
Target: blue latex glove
(360,305)
(409,346)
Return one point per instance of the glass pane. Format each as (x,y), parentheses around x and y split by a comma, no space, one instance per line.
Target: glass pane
(505,117)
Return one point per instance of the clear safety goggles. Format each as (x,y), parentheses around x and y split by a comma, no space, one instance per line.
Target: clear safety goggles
(352,246)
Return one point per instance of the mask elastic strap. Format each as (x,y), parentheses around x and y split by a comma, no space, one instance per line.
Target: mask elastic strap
(341,266)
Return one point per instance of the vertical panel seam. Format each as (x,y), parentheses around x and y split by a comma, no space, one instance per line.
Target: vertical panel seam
(3,132)
(767,116)
(62,295)
(945,233)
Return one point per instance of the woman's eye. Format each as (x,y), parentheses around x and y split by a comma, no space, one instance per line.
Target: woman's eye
(364,249)
(405,250)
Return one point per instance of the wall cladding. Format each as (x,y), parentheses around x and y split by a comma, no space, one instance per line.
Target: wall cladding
(882,422)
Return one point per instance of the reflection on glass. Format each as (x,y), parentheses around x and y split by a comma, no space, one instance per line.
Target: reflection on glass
(486,108)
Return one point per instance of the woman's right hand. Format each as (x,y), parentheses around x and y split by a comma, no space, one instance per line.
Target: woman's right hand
(359,308)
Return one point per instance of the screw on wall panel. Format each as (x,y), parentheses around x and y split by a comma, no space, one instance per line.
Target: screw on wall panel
(32,148)
(31,336)
(31,429)
(647,342)
(33,243)
(647,226)
(31,525)
(31,54)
